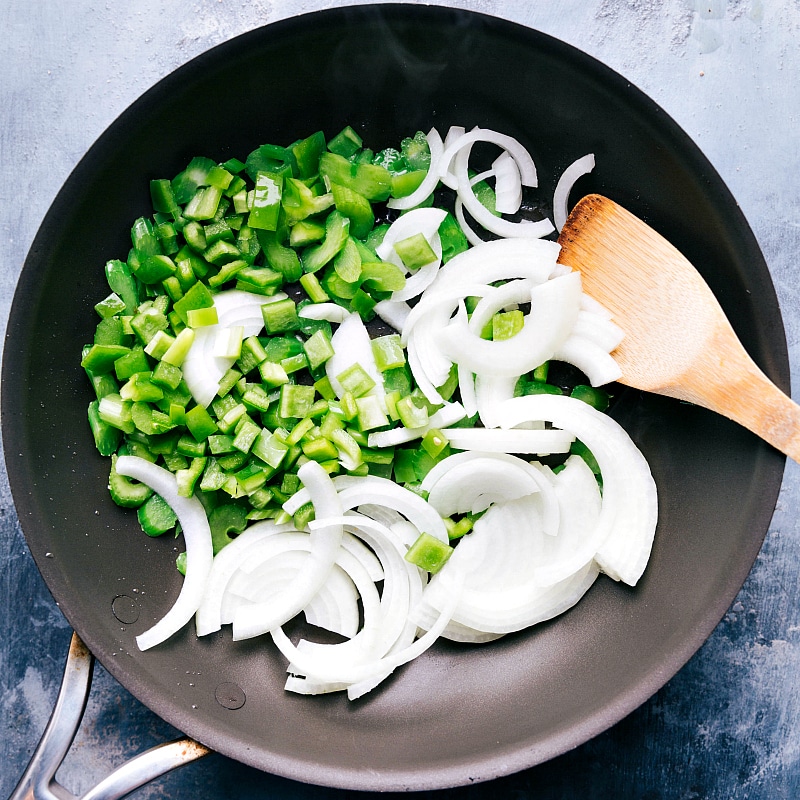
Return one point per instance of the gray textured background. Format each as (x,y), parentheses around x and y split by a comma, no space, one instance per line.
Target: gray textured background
(727,725)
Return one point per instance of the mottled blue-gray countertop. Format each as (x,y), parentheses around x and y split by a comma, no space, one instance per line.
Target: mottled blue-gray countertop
(728,725)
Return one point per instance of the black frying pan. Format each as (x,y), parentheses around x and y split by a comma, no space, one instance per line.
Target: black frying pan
(459,713)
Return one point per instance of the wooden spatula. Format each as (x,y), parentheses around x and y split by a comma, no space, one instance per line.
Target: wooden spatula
(678,341)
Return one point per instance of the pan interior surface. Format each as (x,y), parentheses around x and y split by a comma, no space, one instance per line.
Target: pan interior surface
(460,713)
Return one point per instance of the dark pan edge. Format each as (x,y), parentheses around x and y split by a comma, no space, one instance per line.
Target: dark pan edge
(14,364)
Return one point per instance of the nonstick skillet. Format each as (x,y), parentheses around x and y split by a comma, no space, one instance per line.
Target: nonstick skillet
(459,714)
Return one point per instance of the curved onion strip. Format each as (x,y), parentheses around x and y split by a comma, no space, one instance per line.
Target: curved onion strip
(514,610)
(630,507)
(598,329)
(208,618)
(448,415)
(196,535)
(424,383)
(575,170)
(429,182)
(352,345)
(325,545)
(593,361)
(472,237)
(446,175)
(576,544)
(262,564)
(497,298)
(536,442)
(512,146)
(320,671)
(394,313)
(435,308)
(401,578)
(484,217)
(540,475)
(497,260)
(370,489)
(331,312)
(508,185)
(554,307)
(420,220)
(474,485)
(594,307)
(490,392)
(434,366)
(202,370)
(334,607)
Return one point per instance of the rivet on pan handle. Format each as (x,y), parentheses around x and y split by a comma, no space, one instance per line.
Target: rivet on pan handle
(39,783)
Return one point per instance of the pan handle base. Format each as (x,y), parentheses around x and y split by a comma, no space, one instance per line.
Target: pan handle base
(38,781)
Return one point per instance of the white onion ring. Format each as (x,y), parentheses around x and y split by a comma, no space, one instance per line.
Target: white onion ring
(196,535)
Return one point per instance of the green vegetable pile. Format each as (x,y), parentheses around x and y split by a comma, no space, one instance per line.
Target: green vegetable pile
(306,220)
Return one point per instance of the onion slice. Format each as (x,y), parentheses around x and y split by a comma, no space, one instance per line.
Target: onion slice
(196,535)
(325,543)
(575,170)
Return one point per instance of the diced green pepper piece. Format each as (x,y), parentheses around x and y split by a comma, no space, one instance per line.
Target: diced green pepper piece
(223,521)
(356,380)
(295,400)
(412,413)
(355,207)
(156,516)
(337,227)
(506,324)
(595,397)
(429,553)
(452,237)
(187,478)
(370,413)
(346,143)
(388,352)
(106,437)
(121,282)
(280,316)
(371,180)
(266,201)
(124,491)
(100,358)
(111,305)
(415,251)
(200,423)
(318,349)
(269,448)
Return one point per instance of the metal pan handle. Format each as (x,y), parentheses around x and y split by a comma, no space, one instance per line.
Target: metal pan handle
(38,781)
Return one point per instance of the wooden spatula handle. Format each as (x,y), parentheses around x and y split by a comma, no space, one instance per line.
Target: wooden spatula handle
(735,387)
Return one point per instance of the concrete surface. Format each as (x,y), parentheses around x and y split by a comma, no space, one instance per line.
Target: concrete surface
(727,725)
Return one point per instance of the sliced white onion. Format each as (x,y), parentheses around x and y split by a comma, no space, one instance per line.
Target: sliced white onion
(325,544)
(497,260)
(332,312)
(490,393)
(516,150)
(429,182)
(629,511)
(208,618)
(394,313)
(575,170)
(196,535)
(355,492)
(446,175)
(536,442)
(593,361)
(448,415)
(598,329)
(508,186)
(352,345)
(420,220)
(482,215)
(202,371)
(554,307)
